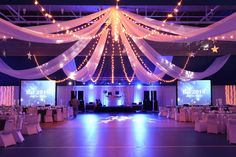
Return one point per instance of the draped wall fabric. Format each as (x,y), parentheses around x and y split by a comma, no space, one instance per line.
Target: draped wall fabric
(7,95)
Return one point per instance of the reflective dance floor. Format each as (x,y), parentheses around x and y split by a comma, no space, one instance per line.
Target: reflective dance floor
(121,135)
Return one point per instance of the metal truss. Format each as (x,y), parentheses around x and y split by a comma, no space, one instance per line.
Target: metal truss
(197,15)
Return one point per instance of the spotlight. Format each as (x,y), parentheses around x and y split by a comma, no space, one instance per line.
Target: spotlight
(205,47)
(36,2)
(91,86)
(70,83)
(139,86)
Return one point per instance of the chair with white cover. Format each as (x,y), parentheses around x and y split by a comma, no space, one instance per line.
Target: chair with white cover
(183,115)
(58,117)
(38,127)
(32,110)
(163,111)
(191,112)
(6,136)
(48,116)
(70,112)
(200,123)
(176,114)
(172,115)
(231,130)
(65,113)
(168,113)
(213,125)
(17,131)
(30,125)
(222,118)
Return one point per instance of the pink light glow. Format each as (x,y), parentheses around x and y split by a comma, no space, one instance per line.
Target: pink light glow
(7,95)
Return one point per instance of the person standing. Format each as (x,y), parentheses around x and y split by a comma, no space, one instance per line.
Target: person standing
(75,105)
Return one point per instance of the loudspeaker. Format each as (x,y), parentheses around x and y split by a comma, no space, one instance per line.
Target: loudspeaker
(147,105)
(81,105)
(80,95)
(146,96)
(117,92)
(72,94)
(156,105)
(154,95)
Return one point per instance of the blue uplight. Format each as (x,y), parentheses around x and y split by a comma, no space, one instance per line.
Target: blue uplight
(91,86)
(139,86)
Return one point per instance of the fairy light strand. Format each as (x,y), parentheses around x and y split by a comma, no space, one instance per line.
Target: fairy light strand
(138,56)
(172,80)
(103,62)
(112,61)
(82,63)
(155,30)
(123,65)
(66,29)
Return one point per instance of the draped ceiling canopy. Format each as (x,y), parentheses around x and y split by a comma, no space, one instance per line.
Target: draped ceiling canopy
(126,33)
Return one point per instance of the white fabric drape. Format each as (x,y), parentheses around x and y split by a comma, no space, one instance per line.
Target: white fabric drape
(168,68)
(21,33)
(226,26)
(86,73)
(175,71)
(66,59)
(49,67)
(52,28)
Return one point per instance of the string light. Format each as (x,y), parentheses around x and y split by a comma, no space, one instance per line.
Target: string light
(117,4)
(223,37)
(115,33)
(155,30)
(138,56)
(112,61)
(48,78)
(103,62)
(71,76)
(172,80)
(123,65)
(89,54)
(66,29)
(115,19)
(174,11)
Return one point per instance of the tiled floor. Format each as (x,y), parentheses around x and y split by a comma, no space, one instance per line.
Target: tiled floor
(123,135)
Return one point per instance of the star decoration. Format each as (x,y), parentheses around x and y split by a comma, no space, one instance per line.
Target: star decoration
(191,54)
(214,49)
(29,55)
(4,53)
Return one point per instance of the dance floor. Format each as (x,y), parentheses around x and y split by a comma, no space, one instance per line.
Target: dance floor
(121,135)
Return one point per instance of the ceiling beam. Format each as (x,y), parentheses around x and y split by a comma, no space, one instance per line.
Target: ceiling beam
(124,2)
(210,13)
(15,12)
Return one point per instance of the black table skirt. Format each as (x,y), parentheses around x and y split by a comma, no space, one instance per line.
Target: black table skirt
(2,124)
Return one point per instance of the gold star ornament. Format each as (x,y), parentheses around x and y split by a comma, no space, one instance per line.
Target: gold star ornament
(214,49)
